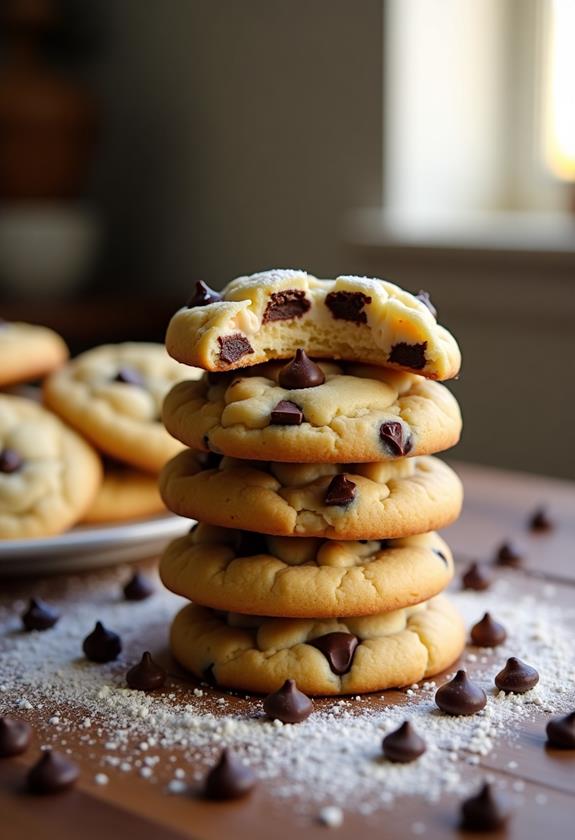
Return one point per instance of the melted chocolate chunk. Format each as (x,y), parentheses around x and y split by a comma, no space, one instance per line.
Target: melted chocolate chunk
(52,773)
(138,588)
(426,301)
(341,491)
(129,376)
(488,633)
(10,461)
(397,440)
(338,648)
(516,677)
(286,413)
(15,736)
(540,521)
(508,555)
(460,696)
(202,296)
(233,347)
(348,306)
(476,577)
(561,732)
(301,372)
(250,543)
(39,616)
(288,704)
(487,811)
(146,675)
(102,645)
(230,778)
(409,355)
(404,744)
(283,306)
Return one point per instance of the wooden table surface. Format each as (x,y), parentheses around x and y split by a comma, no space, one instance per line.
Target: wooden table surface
(496,507)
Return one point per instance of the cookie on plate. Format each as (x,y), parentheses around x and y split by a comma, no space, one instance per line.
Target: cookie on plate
(28,352)
(323,656)
(113,395)
(304,578)
(125,494)
(271,314)
(341,501)
(49,475)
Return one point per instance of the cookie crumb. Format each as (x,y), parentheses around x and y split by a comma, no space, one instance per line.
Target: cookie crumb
(331,816)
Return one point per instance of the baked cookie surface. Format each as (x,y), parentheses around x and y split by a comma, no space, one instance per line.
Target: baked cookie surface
(299,578)
(271,314)
(350,502)
(113,395)
(49,475)
(329,656)
(125,494)
(28,352)
(359,413)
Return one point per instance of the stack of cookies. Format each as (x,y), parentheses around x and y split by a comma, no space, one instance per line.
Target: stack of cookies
(310,473)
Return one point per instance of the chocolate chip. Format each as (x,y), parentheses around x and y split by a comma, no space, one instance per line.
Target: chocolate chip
(138,588)
(341,491)
(404,744)
(230,778)
(202,296)
(52,773)
(233,347)
(477,577)
(301,372)
(460,696)
(409,355)
(516,677)
(561,732)
(338,648)
(250,543)
(283,306)
(146,675)
(441,554)
(423,296)
(286,413)
(15,736)
(508,555)
(395,437)
(102,645)
(39,616)
(348,306)
(288,704)
(540,521)
(487,632)
(129,376)
(10,461)
(486,811)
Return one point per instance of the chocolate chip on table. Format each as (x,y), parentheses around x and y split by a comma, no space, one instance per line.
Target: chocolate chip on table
(288,704)
(508,555)
(348,306)
(10,461)
(146,675)
(561,732)
(102,645)
(301,372)
(395,438)
(285,305)
(52,773)
(202,296)
(15,736)
(341,491)
(286,413)
(488,632)
(129,376)
(516,677)
(138,588)
(39,616)
(230,778)
(477,577)
(233,347)
(460,696)
(425,299)
(539,521)
(409,355)
(338,648)
(403,745)
(488,810)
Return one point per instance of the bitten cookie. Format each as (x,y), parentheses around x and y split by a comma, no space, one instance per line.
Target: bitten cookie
(49,475)
(349,502)
(125,494)
(330,656)
(304,578)
(28,352)
(113,395)
(358,413)
(271,314)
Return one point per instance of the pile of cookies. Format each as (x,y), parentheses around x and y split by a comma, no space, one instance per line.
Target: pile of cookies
(310,472)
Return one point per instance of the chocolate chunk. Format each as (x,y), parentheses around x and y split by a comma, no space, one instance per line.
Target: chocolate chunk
(15,736)
(561,732)
(288,704)
(516,677)
(102,645)
(146,675)
(249,543)
(230,778)
(460,696)
(508,555)
(233,347)
(301,372)
(409,355)
(52,773)
(341,491)
(338,648)
(540,521)
(138,588)
(423,296)
(39,616)
(441,554)
(404,744)
(477,577)
(487,632)
(283,306)
(129,376)
(348,306)
(202,296)
(286,413)
(486,811)
(10,461)
(397,440)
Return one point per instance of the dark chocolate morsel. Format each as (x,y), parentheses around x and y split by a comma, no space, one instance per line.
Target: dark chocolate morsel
(129,376)
(395,437)
(283,306)
(39,616)
(138,588)
(409,355)
(230,778)
(476,577)
(146,675)
(486,811)
(425,299)
(338,648)
(286,413)
(561,732)
(404,744)
(540,521)
(460,696)
(288,704)
(233,347)
(10,461)
(250,543)
(440,554)
(508,555)
(52,773)
(348,306)
(301,372)
(487,632)
(202,296)
(341,491)
(102,645)
(516,677)
(15,736)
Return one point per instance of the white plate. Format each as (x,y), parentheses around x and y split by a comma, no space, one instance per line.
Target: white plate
(91,546)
